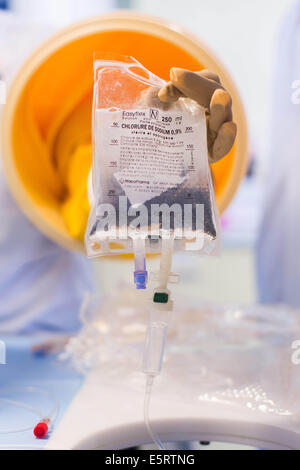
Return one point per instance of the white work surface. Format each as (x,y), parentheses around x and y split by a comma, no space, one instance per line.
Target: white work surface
(112,418)
(232,380)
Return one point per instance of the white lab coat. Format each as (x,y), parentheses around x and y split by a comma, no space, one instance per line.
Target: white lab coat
(278,247)
(41,284)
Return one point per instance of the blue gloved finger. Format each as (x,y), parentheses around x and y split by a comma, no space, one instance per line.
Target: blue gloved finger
(224,141)
(220,110)
(169,93)
(210,75)
(194,85)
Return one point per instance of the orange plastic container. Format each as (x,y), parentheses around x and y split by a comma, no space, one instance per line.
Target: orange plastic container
(58,79)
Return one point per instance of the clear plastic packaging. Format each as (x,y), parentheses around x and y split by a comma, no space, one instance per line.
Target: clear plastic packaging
(226,355)
(151,176)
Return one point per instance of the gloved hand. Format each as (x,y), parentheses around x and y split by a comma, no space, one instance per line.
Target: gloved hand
(205,87)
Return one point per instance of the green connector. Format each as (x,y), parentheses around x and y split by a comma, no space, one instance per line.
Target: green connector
(161,298)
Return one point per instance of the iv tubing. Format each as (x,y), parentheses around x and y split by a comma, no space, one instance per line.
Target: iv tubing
(157,332)
(44,418)
(154,437)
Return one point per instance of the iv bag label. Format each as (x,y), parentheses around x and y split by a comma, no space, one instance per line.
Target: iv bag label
(149,151)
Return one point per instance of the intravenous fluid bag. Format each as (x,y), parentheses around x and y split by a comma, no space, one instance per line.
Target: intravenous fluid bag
(151,176)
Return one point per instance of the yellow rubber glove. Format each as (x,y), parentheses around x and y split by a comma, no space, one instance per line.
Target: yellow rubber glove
(205,87)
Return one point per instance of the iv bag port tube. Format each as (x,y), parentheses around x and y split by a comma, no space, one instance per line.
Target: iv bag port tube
(166,261)
(140,273)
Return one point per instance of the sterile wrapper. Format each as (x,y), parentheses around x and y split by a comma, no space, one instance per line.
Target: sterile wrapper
(245,358)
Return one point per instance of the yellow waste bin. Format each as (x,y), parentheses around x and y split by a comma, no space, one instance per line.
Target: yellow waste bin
(46,125)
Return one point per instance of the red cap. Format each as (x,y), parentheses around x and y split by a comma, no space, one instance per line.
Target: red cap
(41,430)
